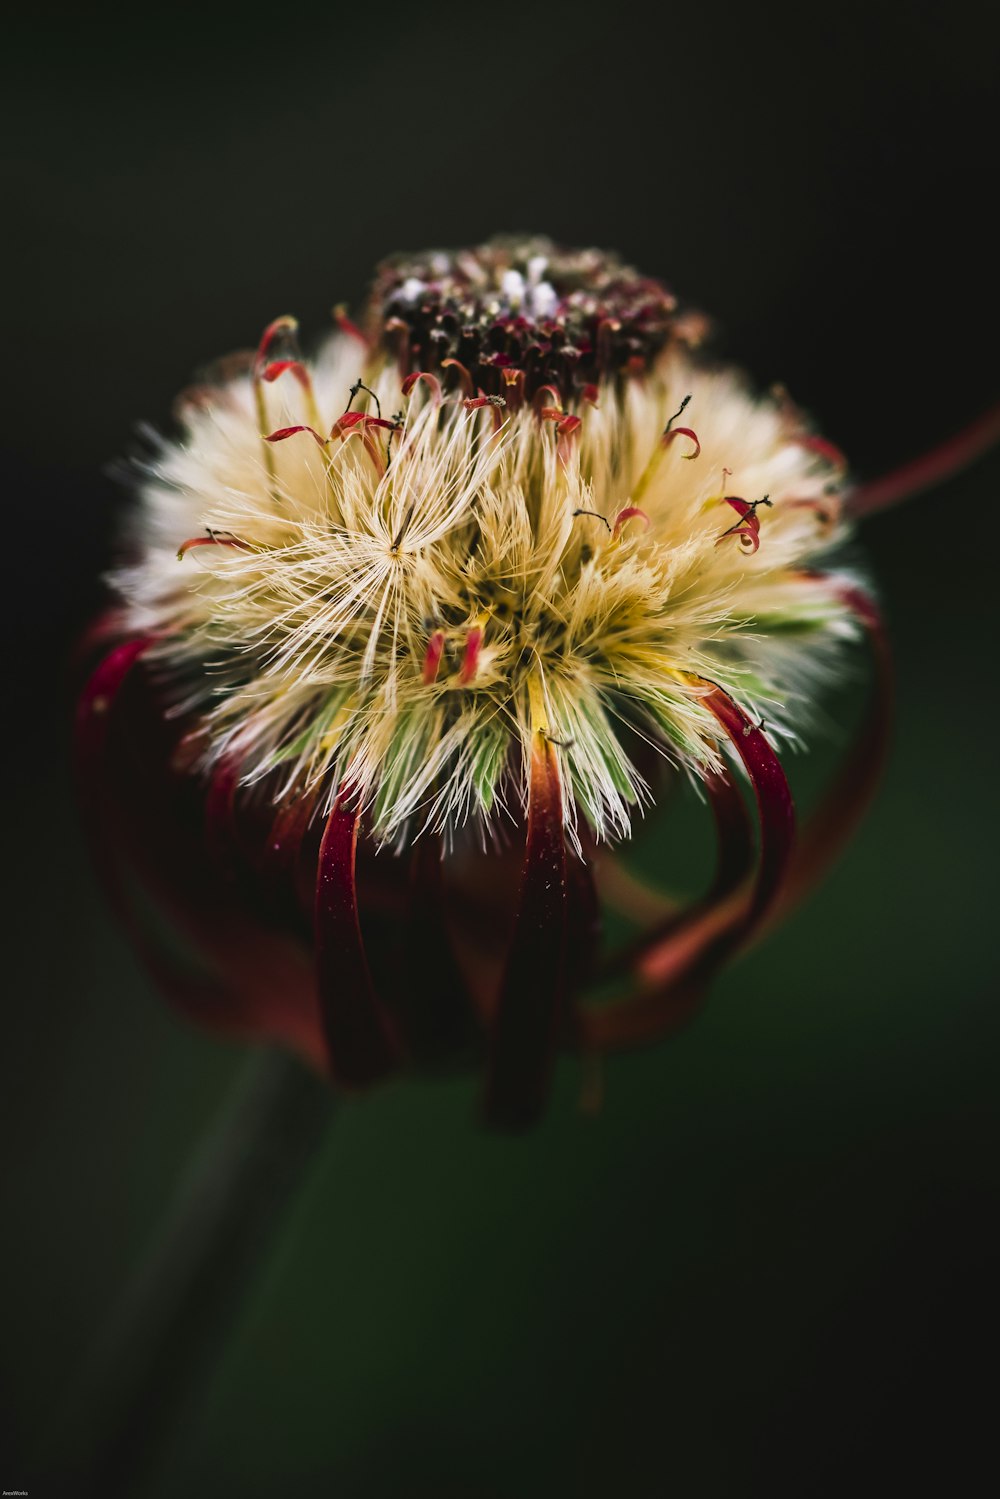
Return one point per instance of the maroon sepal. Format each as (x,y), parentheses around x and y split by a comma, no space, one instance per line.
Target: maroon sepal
(413,959)
(220,805)
(223,966)
(525,1027)
(93,713)
(359,1035)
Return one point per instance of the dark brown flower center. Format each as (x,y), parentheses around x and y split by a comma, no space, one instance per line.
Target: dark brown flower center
(512,316)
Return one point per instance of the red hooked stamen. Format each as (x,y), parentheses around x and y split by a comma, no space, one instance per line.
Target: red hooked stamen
(567,429)
(432,658)
(543,406)
(432,381)
(463,373)
(282,432)
(213,539)
(496,403)
(282,327)
(589,394)
(362,419)
(673,432)
(476,403)
(747,528)
(345,325)
(294,367)
(360,424)
(631,512)
(470,661)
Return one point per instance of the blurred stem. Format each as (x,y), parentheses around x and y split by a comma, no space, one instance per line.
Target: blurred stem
(174,1320)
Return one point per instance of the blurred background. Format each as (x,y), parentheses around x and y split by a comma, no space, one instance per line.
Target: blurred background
(767,1266)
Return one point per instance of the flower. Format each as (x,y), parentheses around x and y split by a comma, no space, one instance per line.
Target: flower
(409,634)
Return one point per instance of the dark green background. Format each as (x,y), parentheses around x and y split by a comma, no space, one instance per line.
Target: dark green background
(767,1267)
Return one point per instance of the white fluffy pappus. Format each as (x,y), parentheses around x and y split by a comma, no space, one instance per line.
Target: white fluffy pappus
(390,604)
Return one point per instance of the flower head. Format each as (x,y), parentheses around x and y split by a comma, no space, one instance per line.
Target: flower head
(418,627)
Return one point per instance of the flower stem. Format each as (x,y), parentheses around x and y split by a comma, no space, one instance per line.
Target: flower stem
(173,1322)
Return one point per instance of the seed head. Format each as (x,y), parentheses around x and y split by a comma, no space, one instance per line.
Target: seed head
(398,561)
(491,561)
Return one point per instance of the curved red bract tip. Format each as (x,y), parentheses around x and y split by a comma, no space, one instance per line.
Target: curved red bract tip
(496,405)
(547,398)
(747,528)
(687,432)
(432,381)
(282,433)
(351,419)
(281,327)
(360,424)
(214,540)
(281,367)
(631,512)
